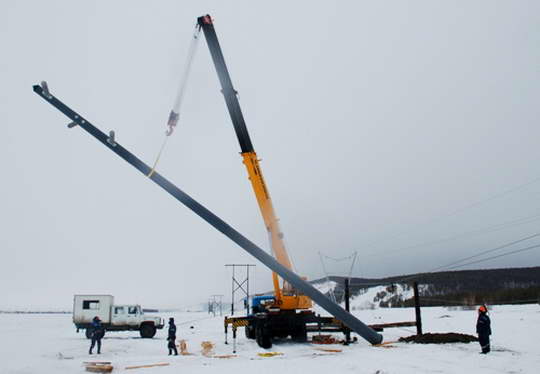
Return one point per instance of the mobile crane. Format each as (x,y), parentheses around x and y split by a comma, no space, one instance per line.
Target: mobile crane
(286,298)
(287,312)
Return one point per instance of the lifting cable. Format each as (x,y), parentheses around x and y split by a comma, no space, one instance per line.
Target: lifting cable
(175,112)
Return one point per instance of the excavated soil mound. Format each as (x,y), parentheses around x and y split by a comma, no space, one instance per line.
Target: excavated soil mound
(439,338)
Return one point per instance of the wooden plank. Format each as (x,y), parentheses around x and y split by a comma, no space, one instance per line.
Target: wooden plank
(329,350)
(147,366)
(386,343)
(99,368)
(96,363)
(392,324)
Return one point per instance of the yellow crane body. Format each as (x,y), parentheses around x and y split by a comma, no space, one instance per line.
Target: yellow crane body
(286,297)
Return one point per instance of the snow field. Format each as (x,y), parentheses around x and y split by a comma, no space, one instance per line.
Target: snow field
(33,344)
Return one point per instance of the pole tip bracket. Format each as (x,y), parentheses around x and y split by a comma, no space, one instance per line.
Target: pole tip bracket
(111,139)
(45,88)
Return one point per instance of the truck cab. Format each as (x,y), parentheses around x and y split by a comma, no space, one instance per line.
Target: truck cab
(259,303)
(130,315)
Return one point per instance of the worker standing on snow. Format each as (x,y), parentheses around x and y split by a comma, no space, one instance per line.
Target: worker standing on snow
(172,338)
(98,331)
(483,329)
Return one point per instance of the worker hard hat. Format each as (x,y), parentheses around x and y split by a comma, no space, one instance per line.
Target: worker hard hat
(482,309)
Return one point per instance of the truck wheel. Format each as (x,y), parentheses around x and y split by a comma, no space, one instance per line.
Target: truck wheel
(299,333)
(89,332)
(264,337)
(147,331)
(250,332)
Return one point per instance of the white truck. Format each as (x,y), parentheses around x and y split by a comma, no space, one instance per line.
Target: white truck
(113,317)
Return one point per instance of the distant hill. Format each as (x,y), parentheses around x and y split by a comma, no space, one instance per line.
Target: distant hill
(465,287)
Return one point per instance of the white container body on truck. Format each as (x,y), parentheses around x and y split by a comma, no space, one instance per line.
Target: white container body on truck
(113,317)
(86,307)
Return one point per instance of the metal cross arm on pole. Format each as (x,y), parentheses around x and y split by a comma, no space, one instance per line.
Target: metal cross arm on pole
(348,319)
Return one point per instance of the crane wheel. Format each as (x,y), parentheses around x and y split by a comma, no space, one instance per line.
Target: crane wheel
(250,332)
(299,334)
(264,337)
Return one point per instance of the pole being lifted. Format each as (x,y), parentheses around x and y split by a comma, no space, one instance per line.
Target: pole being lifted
(108,141)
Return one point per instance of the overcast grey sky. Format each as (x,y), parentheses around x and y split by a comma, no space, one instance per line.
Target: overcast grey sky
(375,121)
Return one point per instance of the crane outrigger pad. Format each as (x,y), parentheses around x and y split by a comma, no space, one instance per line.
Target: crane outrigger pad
(348,319)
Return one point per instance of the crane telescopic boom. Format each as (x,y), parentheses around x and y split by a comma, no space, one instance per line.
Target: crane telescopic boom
(285,298)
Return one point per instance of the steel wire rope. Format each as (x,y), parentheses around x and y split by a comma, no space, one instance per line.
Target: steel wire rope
(174,115)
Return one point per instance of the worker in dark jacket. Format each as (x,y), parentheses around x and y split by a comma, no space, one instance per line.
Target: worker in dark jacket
(171,338)
(98,331)
(483,329)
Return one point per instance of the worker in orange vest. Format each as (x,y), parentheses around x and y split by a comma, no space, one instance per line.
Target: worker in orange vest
(483,329)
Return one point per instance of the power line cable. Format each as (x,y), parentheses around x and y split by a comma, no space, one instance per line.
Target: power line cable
(485,252)
(338,259)
(450,265)
(497,256)
(488,229)
(462,209)
(460,303)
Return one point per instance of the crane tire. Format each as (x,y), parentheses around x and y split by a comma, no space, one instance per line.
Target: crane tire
(250,332)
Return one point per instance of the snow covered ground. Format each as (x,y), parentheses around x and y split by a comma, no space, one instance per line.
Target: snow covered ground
(35,343)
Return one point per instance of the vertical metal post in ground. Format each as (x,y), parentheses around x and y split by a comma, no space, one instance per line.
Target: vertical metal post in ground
(417,309)
(232,292)
(213,304)
(347,307)
(247,291)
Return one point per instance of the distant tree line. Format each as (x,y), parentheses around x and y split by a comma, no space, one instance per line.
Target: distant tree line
(459,288)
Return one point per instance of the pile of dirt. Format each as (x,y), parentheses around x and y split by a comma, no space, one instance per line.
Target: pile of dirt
(324,339)
(439,338)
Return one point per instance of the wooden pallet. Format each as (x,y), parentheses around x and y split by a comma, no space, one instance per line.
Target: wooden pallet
(98,367)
